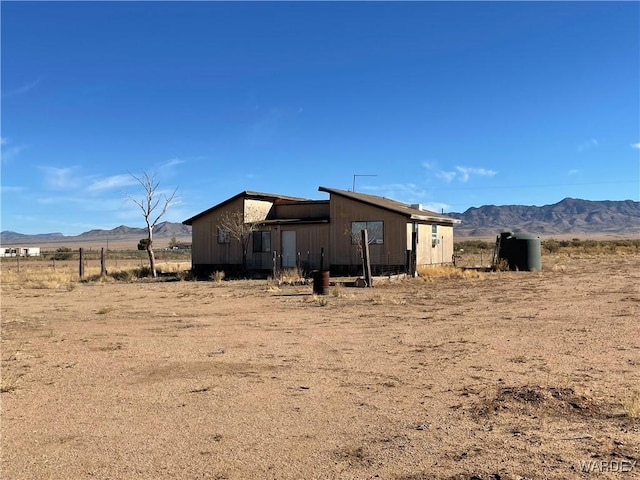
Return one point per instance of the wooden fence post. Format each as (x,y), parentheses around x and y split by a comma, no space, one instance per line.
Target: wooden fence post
(366,259)
(103,267)
(80,264)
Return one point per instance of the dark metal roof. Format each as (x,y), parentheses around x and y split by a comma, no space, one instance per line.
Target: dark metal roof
(392,205)
(250,195)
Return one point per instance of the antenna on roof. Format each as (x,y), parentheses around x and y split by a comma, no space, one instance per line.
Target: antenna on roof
(359,175)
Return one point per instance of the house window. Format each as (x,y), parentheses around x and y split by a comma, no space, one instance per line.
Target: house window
(223,236)
(261,242)
(375,231)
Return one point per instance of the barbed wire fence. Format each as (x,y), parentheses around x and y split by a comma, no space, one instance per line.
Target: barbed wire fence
(91,257)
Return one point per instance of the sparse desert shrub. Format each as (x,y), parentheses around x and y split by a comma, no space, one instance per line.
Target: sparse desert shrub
(121,275)
(144,271)
(62,253)
(473,246)
(551,246)
(184,275)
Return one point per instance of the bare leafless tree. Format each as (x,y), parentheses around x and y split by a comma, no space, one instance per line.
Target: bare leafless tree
(374,230)
(153,205)
(234,224)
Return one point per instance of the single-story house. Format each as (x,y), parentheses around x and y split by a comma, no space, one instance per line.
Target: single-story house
(291,232)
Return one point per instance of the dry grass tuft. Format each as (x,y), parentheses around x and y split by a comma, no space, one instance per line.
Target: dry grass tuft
(39,278)
(448,271)
(502,265)
(319,300)
(172,267)
(632,405)
(8,384)
(104,310)
(291,276)
(387,299)
(217,276)
(338,291)
(558,268)
(272,287)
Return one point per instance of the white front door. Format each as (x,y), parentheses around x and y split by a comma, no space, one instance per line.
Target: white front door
(288,249)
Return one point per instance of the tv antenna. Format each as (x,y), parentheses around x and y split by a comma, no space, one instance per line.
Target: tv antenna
(353,189)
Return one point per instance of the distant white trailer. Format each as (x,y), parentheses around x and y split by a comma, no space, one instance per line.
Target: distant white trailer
(20,251)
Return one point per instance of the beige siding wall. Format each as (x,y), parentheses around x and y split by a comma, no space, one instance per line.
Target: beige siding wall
(255,210)
(428,254)
(344,211)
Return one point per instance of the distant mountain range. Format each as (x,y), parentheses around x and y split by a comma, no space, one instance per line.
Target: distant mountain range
(570,216)
(162,230)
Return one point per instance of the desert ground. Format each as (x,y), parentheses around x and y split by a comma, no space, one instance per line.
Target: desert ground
(452,375)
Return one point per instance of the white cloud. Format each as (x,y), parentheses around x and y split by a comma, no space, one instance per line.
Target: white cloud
(114,181)
(588,145)
(9,152)
(573,172)
(62,178)
(173,162)
(402,192)
(636,145)
(408,193)
(446,176)
(466,172)
(462,174)
(428,165)
(22,89)
(9,189)
(436,207)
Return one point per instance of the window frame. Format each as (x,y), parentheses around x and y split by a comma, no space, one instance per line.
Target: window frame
(261,241)
(377,239)
(224,236)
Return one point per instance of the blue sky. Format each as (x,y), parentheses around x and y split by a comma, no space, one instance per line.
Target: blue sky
(448,104)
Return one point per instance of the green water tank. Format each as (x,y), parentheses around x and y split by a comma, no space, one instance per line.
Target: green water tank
(522,251)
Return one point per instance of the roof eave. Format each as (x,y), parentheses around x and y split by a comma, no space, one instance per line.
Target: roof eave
(429,218)
(412,216)
(244,194)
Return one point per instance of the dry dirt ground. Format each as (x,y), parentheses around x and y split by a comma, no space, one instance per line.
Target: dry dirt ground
(508,375)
